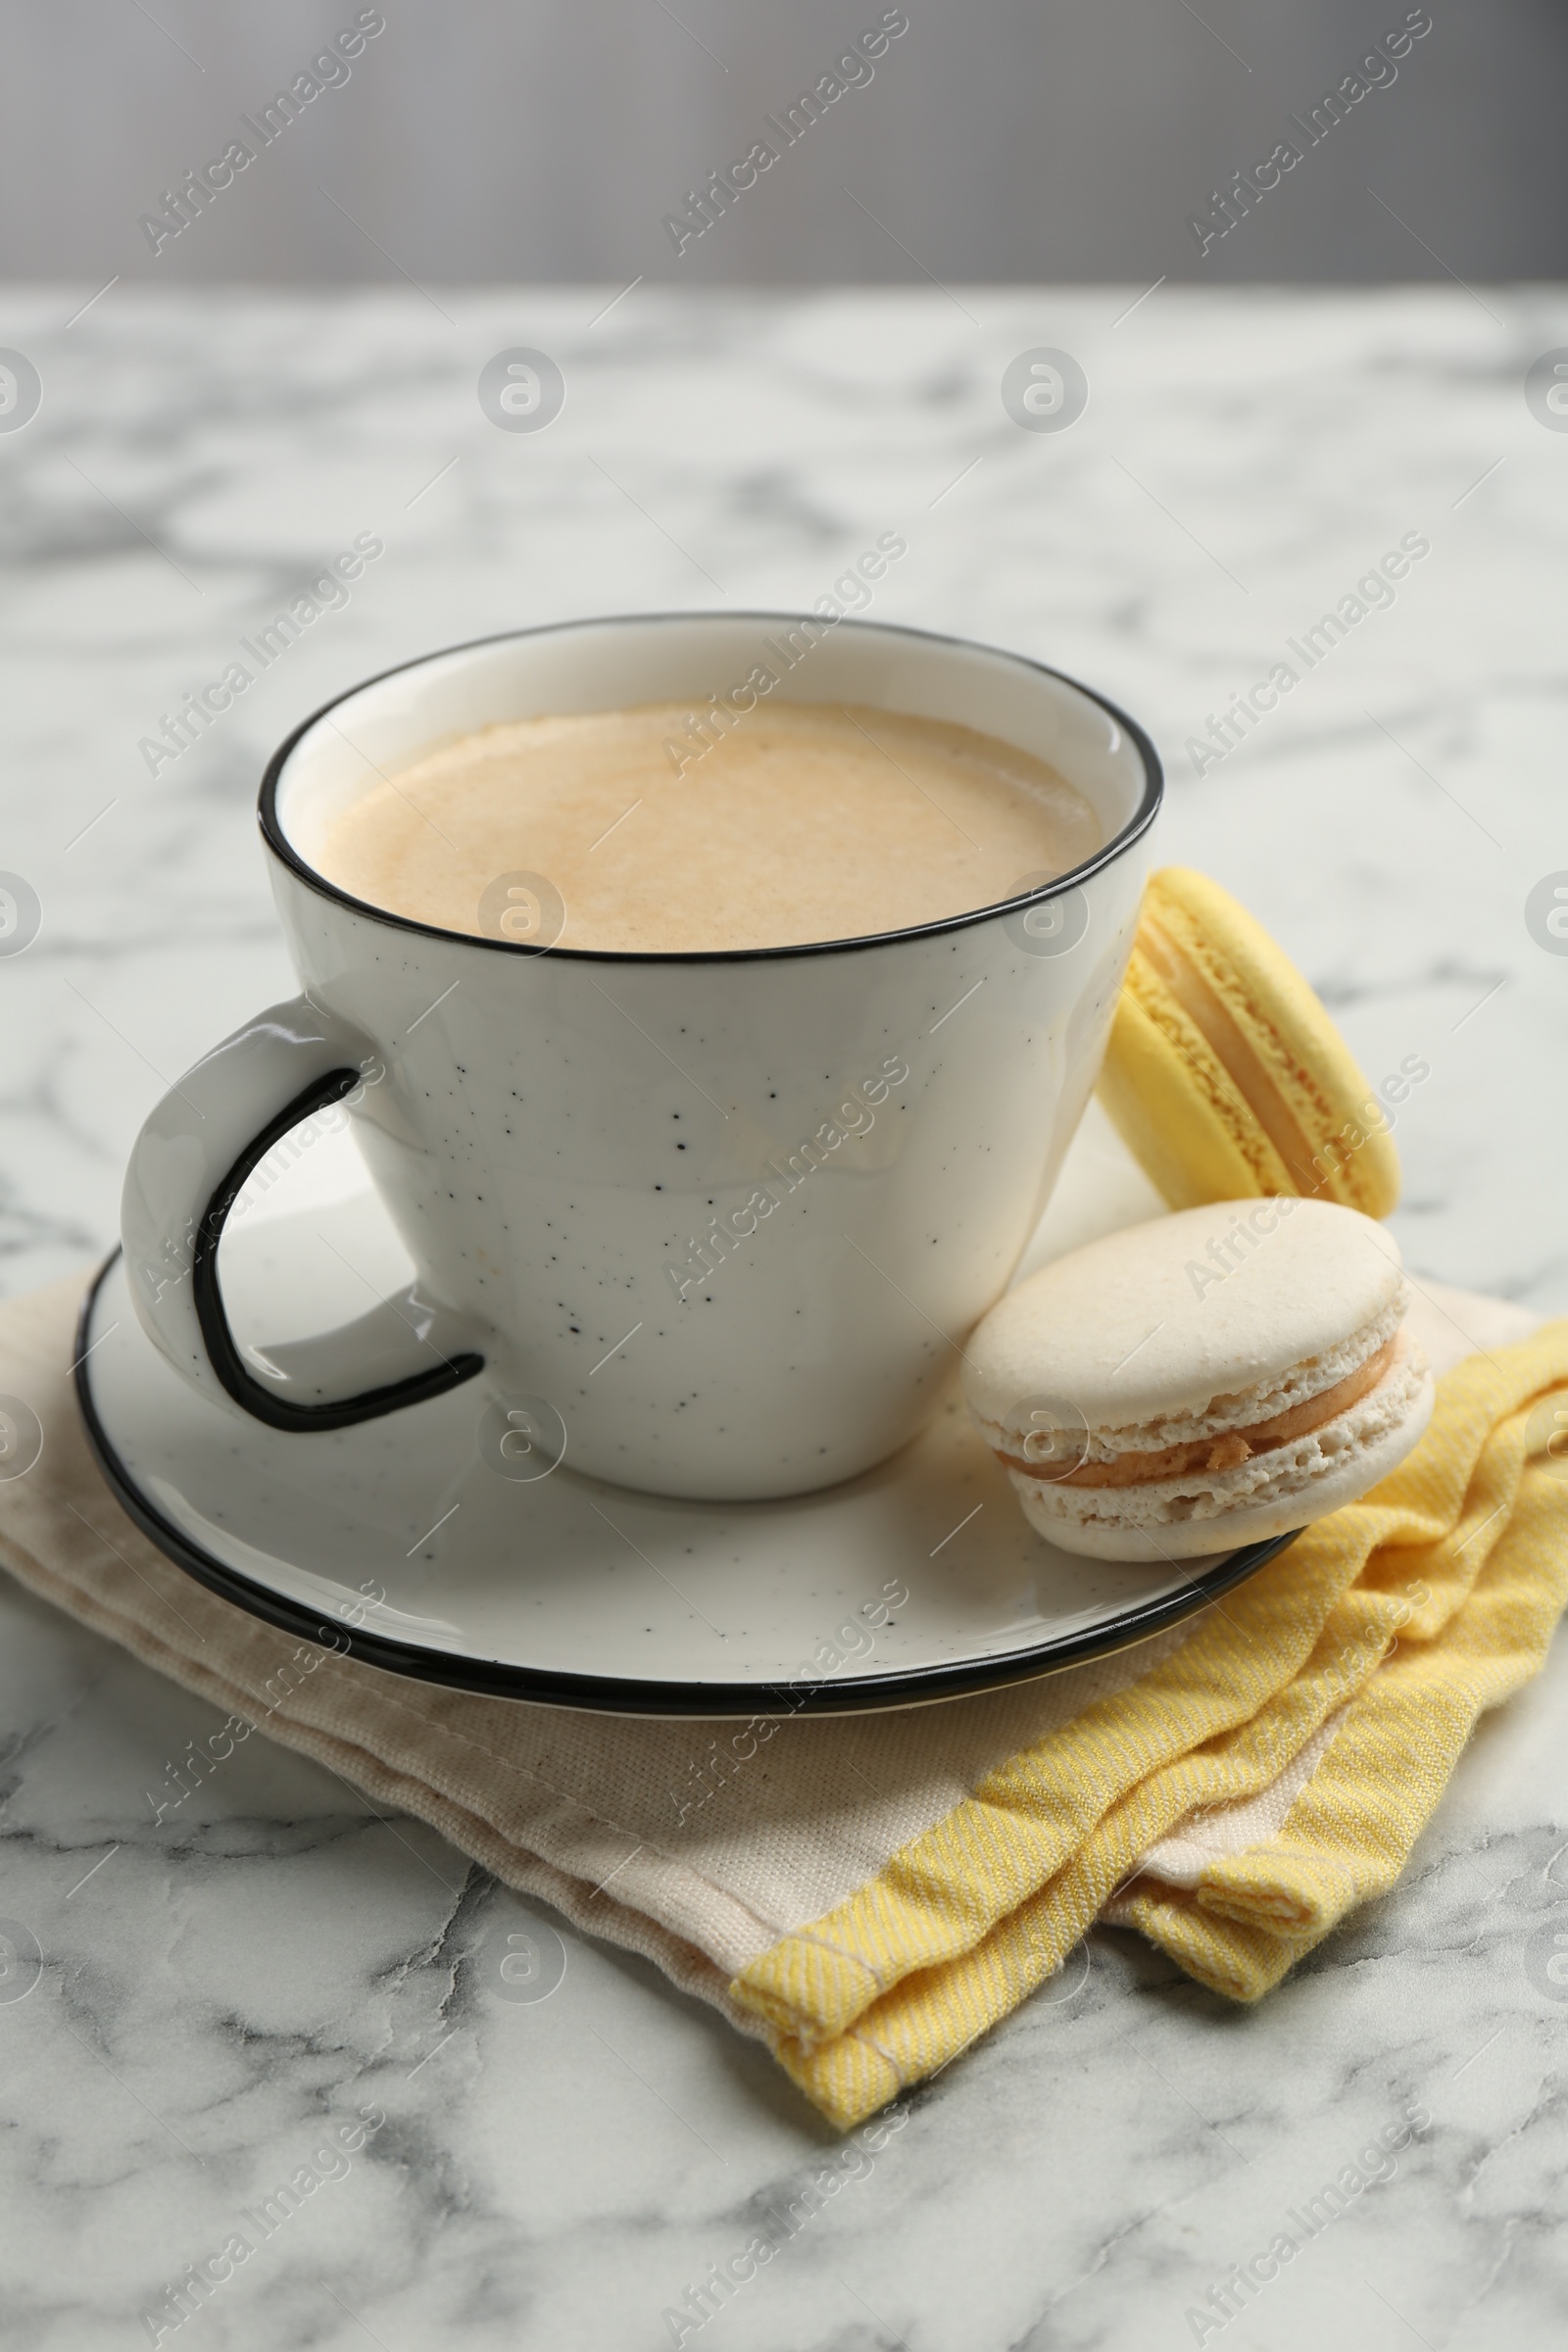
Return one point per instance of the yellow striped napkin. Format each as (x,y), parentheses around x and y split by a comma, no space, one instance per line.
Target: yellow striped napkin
(878,1890)
(1404,1616)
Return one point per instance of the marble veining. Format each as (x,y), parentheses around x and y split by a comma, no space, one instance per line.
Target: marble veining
(228,1981)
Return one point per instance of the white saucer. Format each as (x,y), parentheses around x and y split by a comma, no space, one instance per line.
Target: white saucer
(399,1542)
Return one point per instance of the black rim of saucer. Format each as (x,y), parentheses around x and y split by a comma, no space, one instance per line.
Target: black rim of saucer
(1137,825)
(613,1695)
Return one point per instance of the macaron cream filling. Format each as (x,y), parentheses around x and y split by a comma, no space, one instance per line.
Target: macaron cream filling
(1228,1449)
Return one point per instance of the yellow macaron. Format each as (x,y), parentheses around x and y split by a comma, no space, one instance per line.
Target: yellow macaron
(1224,1074)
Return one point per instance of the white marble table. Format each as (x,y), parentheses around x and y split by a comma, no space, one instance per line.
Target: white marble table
(559,2173)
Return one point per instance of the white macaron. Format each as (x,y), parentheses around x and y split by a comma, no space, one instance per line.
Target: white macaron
(1207,1380)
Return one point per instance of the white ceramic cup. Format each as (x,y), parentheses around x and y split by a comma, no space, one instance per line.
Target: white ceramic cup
(712,1225)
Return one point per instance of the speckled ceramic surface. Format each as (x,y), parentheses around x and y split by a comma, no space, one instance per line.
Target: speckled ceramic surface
(422,1541)
(771,1184)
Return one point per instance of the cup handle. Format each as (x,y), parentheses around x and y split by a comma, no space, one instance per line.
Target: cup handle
(188,1169)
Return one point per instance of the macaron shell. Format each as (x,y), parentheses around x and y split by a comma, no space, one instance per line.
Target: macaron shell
(1143,1327)
(1290,1030)
(1175,1105)
(1228,1531)
(1197,1122)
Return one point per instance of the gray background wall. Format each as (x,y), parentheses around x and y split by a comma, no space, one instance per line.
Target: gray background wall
(482,141)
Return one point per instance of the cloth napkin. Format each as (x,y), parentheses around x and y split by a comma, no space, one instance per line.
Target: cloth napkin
(868,1895)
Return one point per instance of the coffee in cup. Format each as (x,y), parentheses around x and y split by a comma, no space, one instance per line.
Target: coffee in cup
(805,822)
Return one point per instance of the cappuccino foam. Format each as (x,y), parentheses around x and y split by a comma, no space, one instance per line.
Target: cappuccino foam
(809,822)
